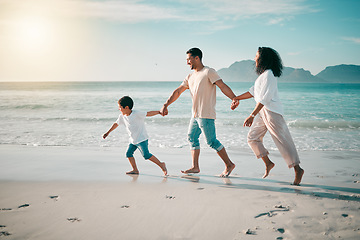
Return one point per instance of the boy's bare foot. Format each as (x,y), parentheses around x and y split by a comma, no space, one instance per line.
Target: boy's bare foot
(163,167)
(227,171)
(133,172)
(299,172)
(191,170)
(268,168)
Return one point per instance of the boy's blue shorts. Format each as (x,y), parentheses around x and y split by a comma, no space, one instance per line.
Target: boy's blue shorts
(143,147)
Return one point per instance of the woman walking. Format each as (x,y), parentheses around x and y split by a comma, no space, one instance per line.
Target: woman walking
(268,114)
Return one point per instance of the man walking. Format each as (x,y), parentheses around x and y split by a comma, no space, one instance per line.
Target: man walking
(202,85)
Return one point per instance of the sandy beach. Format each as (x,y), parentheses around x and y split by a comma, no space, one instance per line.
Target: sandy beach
(84,193)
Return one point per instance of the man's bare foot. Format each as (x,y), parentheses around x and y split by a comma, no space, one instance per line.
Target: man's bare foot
(299,172)
(163,167)
(268,168)
(191,170)
(133,172)
(227,170)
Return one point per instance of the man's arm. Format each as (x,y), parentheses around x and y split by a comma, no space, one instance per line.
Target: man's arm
(226,90)
(174,96)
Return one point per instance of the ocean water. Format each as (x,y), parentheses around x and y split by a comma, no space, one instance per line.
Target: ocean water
(320,116)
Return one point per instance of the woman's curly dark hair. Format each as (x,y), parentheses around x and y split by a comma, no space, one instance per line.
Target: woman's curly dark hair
(269,59)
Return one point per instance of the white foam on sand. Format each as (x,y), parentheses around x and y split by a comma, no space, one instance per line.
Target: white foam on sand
(84,193)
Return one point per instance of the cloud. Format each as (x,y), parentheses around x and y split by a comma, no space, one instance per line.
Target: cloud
(278,20)
(352,39)
(121,11)
(254,8)
(134,11)
(125,11)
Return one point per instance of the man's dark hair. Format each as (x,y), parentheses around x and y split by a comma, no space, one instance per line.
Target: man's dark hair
(269,59)
(195,52)
(126,101)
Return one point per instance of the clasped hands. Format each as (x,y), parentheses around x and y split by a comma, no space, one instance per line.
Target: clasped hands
(235,103)
(164,111)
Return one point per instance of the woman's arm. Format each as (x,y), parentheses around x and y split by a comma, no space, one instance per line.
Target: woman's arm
(249,120)
(244,96)
(236,100)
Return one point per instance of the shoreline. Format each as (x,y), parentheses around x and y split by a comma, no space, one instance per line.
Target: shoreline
(52,163)
(84,193)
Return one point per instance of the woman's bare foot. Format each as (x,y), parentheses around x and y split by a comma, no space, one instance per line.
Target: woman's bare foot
(227,170)
(299,172)
(268,168)
(191,170)
(163,167)
(133,172)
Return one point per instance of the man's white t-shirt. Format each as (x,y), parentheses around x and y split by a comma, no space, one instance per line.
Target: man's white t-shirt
(265,91)
(203,92)
(135,126)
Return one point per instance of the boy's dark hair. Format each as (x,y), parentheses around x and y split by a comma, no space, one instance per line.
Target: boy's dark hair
(195,52)
(269,59)
(126,101)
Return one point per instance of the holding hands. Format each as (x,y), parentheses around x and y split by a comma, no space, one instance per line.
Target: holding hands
(235,103)
(164,111)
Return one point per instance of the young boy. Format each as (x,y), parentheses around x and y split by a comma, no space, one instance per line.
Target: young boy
(135,126)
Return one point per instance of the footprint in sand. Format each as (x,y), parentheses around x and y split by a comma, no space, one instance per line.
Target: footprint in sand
(21,206)
(272,213)
(24,205)
(6,209)
(280,206)
(250,232)
(54,197)
(75,219)
(4,233)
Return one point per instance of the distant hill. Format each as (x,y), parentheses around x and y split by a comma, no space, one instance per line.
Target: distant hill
(243,71)
(298,75)
(341,73)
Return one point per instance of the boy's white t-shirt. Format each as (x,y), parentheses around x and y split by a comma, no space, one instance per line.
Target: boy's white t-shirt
(135,126)
(203,92)
(265,91)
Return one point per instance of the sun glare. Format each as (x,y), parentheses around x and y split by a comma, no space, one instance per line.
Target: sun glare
(33,33)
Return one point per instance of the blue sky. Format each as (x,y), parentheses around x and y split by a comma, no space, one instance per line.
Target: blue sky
(129,40)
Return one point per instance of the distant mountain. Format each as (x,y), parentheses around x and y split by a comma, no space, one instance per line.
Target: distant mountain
(243,71)
(298,75)
(341,73)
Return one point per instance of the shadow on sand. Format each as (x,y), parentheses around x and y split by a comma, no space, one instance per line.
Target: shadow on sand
(234,182)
